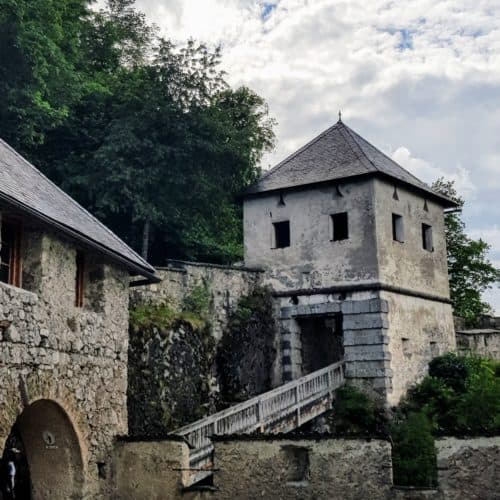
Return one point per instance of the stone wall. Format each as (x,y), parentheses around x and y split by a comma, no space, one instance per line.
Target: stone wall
(469,468)
(482,342)
(226,284)
(76,358)
(303,469)
(147,470)
(418,330)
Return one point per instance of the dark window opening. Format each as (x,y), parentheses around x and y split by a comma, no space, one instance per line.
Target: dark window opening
(80,279)
(397,228)
(10,253)
(281,234)
(340,227)
(427,238)
(297,463)
(102,470)
(281,201)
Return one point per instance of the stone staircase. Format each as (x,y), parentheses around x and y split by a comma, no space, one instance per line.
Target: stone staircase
(280,410)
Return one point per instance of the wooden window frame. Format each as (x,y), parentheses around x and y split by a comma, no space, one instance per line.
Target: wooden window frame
(80,279)
(15,261)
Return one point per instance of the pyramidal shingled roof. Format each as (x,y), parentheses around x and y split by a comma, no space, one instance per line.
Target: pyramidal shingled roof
(25,187)
(335,154)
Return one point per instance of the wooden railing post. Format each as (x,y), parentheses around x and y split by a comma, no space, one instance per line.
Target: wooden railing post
(298,405)
(260,416)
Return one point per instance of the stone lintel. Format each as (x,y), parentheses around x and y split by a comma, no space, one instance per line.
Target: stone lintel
(310,310)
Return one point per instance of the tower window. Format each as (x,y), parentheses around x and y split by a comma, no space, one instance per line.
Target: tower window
(340,227)
(80,279)
(398,233)
(281,234)
(10,253)
(427,237)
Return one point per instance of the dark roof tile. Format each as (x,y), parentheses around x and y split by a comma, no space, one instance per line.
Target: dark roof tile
(25,186)
(335,154)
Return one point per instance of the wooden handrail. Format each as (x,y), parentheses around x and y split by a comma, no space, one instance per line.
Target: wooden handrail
(263,411)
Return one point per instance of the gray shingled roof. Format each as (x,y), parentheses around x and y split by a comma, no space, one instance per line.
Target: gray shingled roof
(335,154)
(22,185)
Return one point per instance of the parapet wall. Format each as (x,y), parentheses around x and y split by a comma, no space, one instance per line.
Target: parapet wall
(469,468)
(320,468)
(303,468)
(226,284)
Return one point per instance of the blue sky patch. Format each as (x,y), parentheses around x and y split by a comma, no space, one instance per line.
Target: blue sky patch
(267,10)
(406,42)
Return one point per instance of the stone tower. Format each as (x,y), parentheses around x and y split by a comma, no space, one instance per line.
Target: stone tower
(354,248)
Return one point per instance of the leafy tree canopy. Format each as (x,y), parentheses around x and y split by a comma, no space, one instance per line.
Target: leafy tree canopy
(146,135)
(469,269)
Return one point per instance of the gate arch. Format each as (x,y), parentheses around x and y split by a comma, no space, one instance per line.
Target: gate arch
(52,451)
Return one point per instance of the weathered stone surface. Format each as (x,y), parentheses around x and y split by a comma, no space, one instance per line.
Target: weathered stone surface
(481,342)
(150,470)
(419,330)
(469,468)
(303,469)
(225,284)
(75,356)
(365,321)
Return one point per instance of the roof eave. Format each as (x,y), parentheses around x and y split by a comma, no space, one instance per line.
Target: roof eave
(147,272)
(441,199)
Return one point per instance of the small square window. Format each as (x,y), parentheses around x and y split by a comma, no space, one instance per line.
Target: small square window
(340,226)
(281,234)
(427,238)
(296,463)
(397,228)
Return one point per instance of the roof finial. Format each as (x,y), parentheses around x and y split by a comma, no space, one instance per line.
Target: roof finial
(340,116)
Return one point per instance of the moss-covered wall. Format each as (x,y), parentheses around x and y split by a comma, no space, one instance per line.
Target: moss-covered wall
(171,357)
(247,350)
(181,370)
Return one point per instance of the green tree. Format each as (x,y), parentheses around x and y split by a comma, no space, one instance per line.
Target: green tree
(39,66)
(469,269)
(146,135)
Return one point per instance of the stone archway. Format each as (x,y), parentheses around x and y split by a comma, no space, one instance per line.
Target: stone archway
(52,450)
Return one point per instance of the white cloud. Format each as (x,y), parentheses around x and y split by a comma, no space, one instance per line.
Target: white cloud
(429,172)
(418,78)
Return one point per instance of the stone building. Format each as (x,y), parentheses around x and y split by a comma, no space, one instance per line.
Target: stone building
(354,247)
(64,292)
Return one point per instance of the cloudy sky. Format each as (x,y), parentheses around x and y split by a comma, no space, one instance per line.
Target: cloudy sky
(418,78)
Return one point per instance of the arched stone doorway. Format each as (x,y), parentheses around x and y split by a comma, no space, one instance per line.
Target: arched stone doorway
(45,439)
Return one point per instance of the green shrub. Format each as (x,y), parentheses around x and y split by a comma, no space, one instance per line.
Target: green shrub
(452,369)
(413,453)
(354,412)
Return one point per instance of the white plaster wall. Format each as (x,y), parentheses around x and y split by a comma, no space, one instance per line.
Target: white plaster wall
(313,260)
(407,264)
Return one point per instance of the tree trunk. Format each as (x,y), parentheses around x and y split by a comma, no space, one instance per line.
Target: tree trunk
(145,239)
